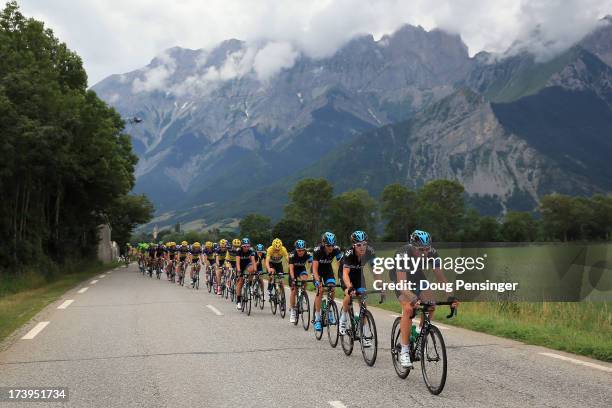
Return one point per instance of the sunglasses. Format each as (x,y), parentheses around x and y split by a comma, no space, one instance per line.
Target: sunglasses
(361,244)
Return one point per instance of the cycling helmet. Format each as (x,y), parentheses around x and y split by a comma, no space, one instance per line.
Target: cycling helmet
(277,243)
(223,242)
(184,243)
(420,239)
(160,243)
(208,244)
(358,236)
(245,241)
(196,245)
(260,247)
(328,238)
(300,244)
(216,246)
(235,242)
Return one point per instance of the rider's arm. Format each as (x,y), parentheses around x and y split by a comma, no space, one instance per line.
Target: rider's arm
(291,272)
(345,277)
(268,260)
(315,269)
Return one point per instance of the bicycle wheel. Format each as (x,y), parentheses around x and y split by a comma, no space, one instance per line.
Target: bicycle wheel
(282,304)
(261,294)
(208,281)
(433,360)
(368,338)
(396,348)
(319,334)
(232,290)
(197,282)
(274,301)
(332,325)
(248,299)
(347,340)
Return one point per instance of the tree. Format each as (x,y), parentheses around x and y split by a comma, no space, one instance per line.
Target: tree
(602,214)
(65,158)
(289,231)
(558,216)
(479,229)
(350,211)
(308,202)
(440,208)
(127,212)
(397,207)
(257,227)
(519,226)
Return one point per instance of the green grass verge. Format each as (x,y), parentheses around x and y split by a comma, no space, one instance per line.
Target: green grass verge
(18,307)
(583,328)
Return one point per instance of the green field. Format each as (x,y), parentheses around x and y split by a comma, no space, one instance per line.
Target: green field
(21,299)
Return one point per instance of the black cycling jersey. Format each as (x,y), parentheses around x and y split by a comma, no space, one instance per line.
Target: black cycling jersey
(299,262)
(221,253)
(209,254)
(152,251)
(160,251)
(260,257)
(245,258)
(183,251)
(325,259)
(355,265)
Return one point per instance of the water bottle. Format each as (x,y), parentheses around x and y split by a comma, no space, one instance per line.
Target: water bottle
(413,333)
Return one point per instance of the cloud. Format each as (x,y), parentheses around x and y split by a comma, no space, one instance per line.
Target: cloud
(116,36)
(272,58)
(154,79)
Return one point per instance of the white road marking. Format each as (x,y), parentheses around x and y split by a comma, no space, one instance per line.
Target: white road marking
(83,290)
(93,282)
(101,276)
(580,362)
(65,304)
(337,404)
(394,316)
(215,310)
(35,330)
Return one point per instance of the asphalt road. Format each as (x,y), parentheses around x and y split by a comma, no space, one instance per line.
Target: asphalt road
(132,341)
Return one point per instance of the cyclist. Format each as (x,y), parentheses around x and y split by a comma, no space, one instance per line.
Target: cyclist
(323,271)
(210,258)
(230,258)
(159,254)
(298,259)
(170,259)
(274,262)
(351,273)
(260,257)
(195,259)
(419,246)
(181,252)
(245,263)
(151,251)
(221,253)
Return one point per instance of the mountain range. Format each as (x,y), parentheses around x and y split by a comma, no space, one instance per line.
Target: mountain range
(230,130)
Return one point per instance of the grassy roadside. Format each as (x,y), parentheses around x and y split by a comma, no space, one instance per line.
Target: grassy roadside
(18,308)
(583,328)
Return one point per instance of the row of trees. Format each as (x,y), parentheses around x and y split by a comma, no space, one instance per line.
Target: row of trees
(65,164)
(439,207)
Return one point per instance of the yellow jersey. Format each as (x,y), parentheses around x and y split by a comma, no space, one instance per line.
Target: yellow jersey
(276,256)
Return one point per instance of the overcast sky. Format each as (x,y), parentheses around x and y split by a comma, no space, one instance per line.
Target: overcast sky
(117,36)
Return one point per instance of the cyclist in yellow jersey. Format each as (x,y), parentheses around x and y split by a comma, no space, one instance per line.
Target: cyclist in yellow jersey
(274,262)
